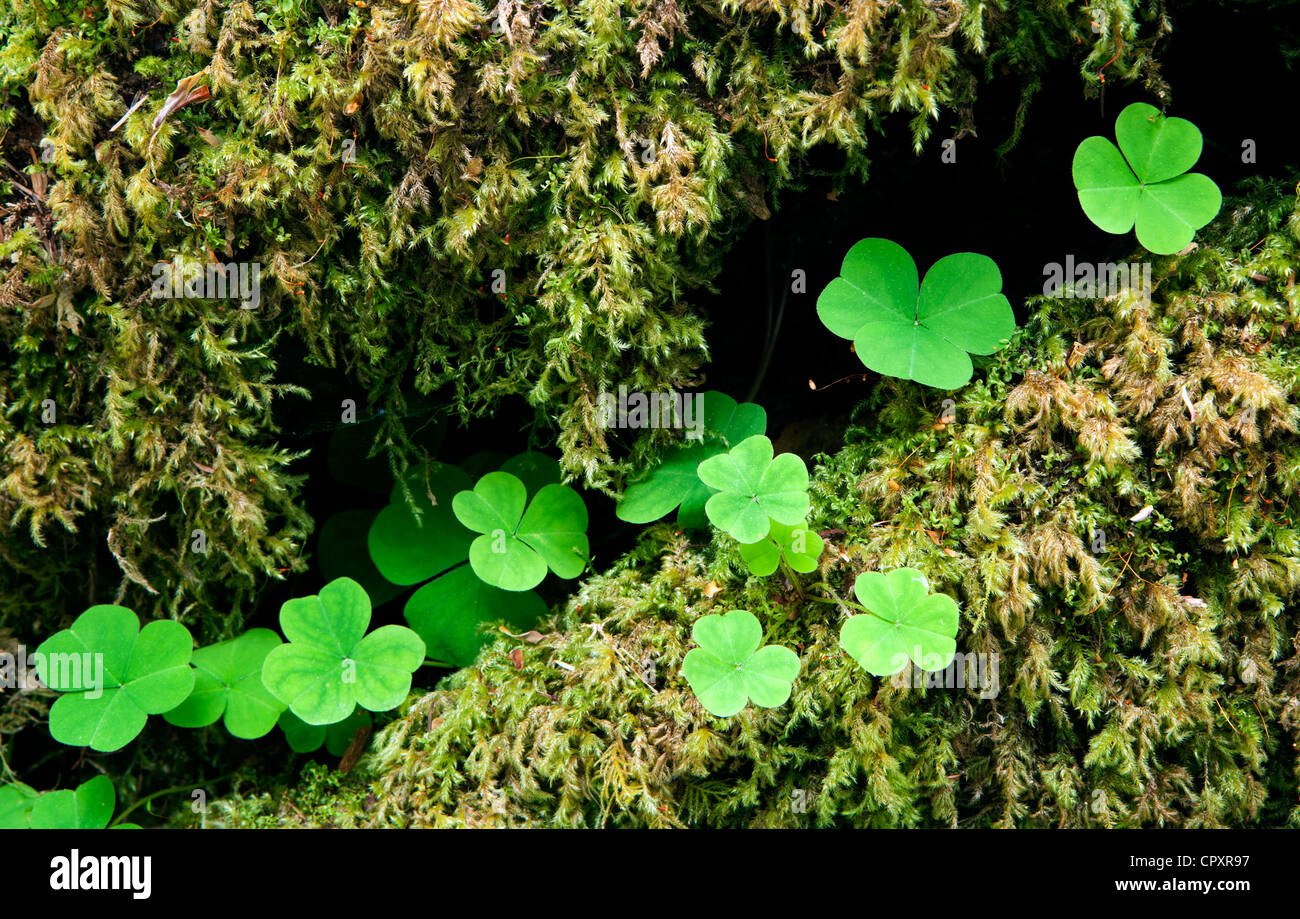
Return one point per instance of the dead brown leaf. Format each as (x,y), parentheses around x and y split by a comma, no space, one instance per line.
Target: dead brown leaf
(187,91)
(532,637)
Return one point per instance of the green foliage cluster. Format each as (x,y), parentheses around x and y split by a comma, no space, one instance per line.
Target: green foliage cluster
(112,674)
(526,522)
(446,198)
(1115,510)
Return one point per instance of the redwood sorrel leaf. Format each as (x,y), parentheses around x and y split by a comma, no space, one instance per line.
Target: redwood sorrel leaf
(330,665)
(1144,183)
(923,333)
(729,669)
(113,676)
(903,622)
(521,539)
(754,489)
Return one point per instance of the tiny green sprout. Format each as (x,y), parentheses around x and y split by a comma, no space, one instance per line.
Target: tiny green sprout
(921,333)
(798,545)
(330,665)
(308,738)
(90,807)
(228,681)
(1144,182)
(673,483)
(730,669)
(903,622)
(521,539)
(113,676)
(755,489)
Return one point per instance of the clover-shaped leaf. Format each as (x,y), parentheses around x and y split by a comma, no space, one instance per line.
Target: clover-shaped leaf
(307,738)
(448,613)
(228,681)
(798,545)
(673,482)
(904,621)
(754,489)
(535,470)
(521,539)
(1144,182)
(922,334)
(114,675)
(90,807)
(331,665)
(16,803)
(729,669)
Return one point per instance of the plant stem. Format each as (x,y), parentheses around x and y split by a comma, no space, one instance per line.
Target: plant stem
(838,602)
(773,328)
(166,791)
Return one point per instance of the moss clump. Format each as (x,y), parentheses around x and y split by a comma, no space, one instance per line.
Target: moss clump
(324,799)
(387,165)
(1150,677)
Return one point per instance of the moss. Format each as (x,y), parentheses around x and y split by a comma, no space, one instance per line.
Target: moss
(324,798)
(594,157)
(1150,679)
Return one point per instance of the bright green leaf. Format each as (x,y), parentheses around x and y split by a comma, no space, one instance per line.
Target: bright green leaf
(90,807)
(521,539)
(228,681)
(113,675)
(903,622)
(16,802)
(331,665)
(1144,182)
(923,333)
(798,545)
(729,669)
(755,489)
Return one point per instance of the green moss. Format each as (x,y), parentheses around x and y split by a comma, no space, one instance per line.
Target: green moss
(1152,680)
(597,157)
(324,798)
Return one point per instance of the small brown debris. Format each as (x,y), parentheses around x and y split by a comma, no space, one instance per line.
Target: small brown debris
(187,91)
(532,637)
